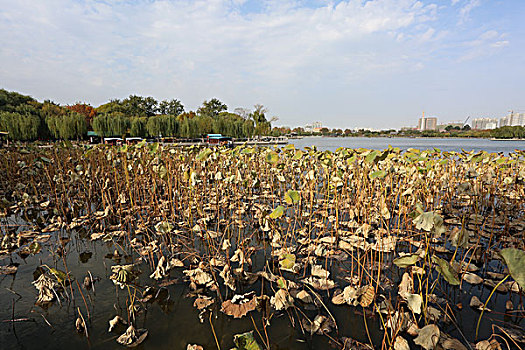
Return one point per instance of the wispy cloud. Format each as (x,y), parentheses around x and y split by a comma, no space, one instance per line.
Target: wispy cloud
(209,41)
(486,44)
(466,9)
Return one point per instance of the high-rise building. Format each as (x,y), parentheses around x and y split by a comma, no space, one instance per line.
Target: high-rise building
(484,123)
(512,119)
(427,123)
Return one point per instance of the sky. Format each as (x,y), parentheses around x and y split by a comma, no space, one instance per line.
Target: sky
(354,63)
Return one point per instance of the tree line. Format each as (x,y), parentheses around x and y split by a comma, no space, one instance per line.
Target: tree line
(24,118)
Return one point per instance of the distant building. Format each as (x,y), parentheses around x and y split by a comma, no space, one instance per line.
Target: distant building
(358,129)
(427,123)
(484,123)
(512,119)
(314,127)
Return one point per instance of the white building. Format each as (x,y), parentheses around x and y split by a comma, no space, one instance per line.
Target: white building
(315,127)
(484,123)
(512,119)
(427,123)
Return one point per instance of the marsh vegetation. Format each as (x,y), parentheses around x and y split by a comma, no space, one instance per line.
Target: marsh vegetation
(353,249)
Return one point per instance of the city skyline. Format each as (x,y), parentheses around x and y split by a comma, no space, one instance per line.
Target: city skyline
(349,63)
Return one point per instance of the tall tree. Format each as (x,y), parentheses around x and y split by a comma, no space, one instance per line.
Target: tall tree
(113,106)
(86,110)
(163,125)
(262,125)
(212,108)
(115,124)
(67,127)
(10,100)
(138,127)
(139,106)
(21,127)
(171,107)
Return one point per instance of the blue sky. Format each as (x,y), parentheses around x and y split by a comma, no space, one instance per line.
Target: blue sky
(354,63)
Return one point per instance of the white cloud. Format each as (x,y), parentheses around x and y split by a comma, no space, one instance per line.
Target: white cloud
(195,45)
(194,50)
(464,12)
(486,44)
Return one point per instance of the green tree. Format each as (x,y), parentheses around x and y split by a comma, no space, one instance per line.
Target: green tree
(21,127)
(139,106)
(115,124)
(165,125)
(9,101)
(172,107)
(138,127)
(113,106)
(509,132)
(189,128)
(212,108)
(248,128)
(262,125)
(67,127)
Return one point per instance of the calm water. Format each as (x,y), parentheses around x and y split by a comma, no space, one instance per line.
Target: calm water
(444,144)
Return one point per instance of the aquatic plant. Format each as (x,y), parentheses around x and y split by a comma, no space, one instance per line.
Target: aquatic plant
(398,237)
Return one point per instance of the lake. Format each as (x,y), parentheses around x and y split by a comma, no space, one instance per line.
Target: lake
(379,143)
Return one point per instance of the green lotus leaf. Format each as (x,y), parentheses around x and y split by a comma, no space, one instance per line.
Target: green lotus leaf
(515,261)
(277,213)
(406,261)
(379,174)
(246,341)
(287,262)
(61,276)
(371,157)
(298,155)
(204,154)
(272,158)
(291,197)
(444,268)
(248,150)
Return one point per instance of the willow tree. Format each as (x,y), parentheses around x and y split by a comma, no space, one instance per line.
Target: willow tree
(21,127)
(166,125)
(67,127)
(115,124)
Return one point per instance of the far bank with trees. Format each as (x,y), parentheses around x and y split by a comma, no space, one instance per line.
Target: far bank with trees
(26,119)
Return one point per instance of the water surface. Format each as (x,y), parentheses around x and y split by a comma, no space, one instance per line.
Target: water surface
(379,143)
